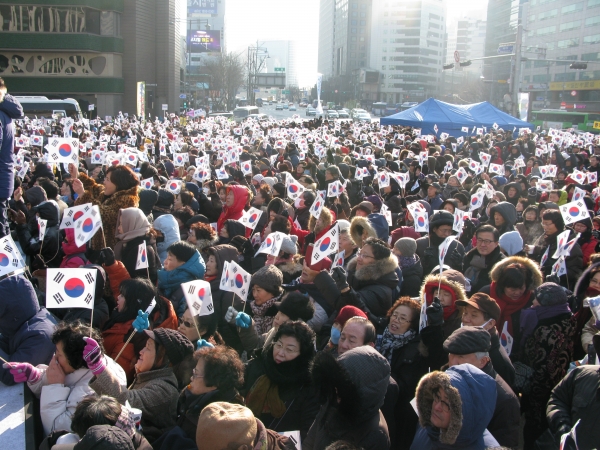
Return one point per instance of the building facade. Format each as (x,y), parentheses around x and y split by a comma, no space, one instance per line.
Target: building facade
(408,47)
(92,50)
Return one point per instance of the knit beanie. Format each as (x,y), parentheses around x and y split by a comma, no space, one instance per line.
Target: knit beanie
(348,312)
(226,425)
(148,199)
(288,244)
(296,306)
(406,246)
(549,294)
(177,346)
(269,278)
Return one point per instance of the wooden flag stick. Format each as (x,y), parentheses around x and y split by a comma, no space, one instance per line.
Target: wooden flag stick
(148,272)
(92,322)
(125,345)
(5,361)
(196,325)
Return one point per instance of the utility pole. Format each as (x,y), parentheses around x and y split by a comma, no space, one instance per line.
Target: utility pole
(516,73)
(256,60)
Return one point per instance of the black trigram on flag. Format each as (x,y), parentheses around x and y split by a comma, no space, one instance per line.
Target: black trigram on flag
(209,307)
(196,306)
(8,248)
(54,143)
(86,209)
(59,277)
(58,298)
(234,270)
(70,213)
(68,224)
(88,298)
(54,156)
(243,292)
(334,232)
(191,289)
(80,237)
(89,277)
(15,262)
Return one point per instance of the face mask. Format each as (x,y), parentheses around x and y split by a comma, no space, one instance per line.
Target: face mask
(335,335)
(297,202)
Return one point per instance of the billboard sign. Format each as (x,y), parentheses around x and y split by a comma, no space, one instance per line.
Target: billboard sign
(141,98)
(200,41)
(201,7)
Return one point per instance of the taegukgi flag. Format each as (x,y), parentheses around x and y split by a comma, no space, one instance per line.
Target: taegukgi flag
(198,297)
(327,245)
(87,226)
(142,257)
(70,288)
(250,218)
(10,256)
(73,214)
(235,279)
(272,244)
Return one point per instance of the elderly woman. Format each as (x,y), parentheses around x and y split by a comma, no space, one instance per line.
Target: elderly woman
(119,191)
(266,290)
(218,375)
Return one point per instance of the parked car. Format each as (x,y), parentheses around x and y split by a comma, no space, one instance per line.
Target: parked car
(286,106)
(303,105)
(278,107)
(357,111)
(362,117)
(310,111)
(332,114)
(292,108)
(343,114)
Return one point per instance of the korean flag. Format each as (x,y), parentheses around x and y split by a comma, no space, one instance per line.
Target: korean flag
(496,168)
(272,244)
(293,188)
(174,186)
(222,174)
(335,189)
(180,159)
(142,257)
(98,157)
(235,279)
(73,214)
(443,250)
(246,167)
(70,288)
(317,207)
(86,227)
(36,141)
(592,177)
(506,340)
(250,218)
(63,150)
(147,183)
(574,212)
(198,297)
(384,179)
(325,246)
(42,224)
(201,174)
(338,261)
(10,257)
(477,199)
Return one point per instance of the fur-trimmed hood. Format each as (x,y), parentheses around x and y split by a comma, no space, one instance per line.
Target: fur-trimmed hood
(432,282)
(358,226)
(291,267)
(203,244)
(375,271)
(472,398)
(528,263)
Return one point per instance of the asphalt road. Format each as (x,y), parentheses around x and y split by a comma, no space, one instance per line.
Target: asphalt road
(269,110)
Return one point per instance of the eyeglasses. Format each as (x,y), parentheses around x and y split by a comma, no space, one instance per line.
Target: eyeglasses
(399,318)
(278,346)
(185,323)
(484,241)
(195,374)
(445,405)
(360,254)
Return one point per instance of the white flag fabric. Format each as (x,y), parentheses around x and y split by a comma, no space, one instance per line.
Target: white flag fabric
(443,249)
(10,256)
(73,214)
(563,245)
(384,179)
(222,174)
(385,211)
(338,261)
(559,268)
(272,244)
(87,226)
(142,257)
(201,174)
(458,221)
(574,212)
(180,159)
(246,167)
(147,183)
(250,218)
(63,150)
(485,158)
(174,186)
(544,186)
(506,339)
(461,174)
(361,172)
(578,194)
(496,168)
(98,157)
(592,177)
(293,188)
(545,257)
(335,189)
(317,206)
(70,288)
(235,279)
(402,178)
(421,221)
(578,176)
(327,245)
(198,297)
(477,199)
(42,224)
(423,319)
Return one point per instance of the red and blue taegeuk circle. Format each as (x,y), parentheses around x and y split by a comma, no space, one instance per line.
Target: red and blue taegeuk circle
(4,260)
(573,211)
(143,255)
(74,287)
(421,221)
(293,188)
(88,225)
(77,215)
(252,218)
(173,186)
(201,293)
(65,149)
(325,244)
(239,281)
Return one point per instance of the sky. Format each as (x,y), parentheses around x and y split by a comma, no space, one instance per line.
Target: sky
(298,20)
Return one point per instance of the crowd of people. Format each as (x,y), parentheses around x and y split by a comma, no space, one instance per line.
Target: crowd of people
(474,332)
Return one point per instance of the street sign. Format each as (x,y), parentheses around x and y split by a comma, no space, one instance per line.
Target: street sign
(285,91)
(506,49)
(279,69)
(502,81)
(573,93)
(182,96)
(165,107)
(202,85)
(597,125)
(457,56)
(256,90)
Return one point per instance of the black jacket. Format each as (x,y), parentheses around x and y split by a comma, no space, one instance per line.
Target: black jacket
(427,250)
(129,254)
(480,276)
(412,278)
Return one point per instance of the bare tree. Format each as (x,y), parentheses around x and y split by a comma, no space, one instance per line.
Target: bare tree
(227,75)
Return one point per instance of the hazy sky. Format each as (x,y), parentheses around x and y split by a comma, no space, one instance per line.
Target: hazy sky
(298,20)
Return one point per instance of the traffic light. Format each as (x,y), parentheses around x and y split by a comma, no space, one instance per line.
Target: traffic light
(185,104)
(448,66)
(578,65)
(465,64)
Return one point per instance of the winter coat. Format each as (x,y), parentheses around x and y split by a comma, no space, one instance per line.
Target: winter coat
(472,398)
(428,252)
(302,216)
(412,278)
(154,392)
(109,208)
(574,261)
(74,256)
(480,276)
(58,401)
(575,397)
(29,236)
(530,231)
(505,425)
(129,256)
(167,225)
(371,286)
(290,269)
(10,109)
(456,289)
(210,206)
(435,202)
(508,211)
(25,328)
(240,194)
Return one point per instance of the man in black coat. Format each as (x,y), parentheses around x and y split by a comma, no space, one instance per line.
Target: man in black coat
(471,345)
(479,261)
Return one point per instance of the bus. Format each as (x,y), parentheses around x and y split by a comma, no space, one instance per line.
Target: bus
(242,112)
(379,108)
(561,120)
(43,108)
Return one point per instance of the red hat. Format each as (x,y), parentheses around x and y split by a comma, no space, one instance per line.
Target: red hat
(325,263)
(348,312)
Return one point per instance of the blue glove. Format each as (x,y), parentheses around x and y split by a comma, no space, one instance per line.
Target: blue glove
(141,322)
(243,320)
(203,343)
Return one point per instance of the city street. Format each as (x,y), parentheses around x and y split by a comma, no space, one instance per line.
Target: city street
(283,114)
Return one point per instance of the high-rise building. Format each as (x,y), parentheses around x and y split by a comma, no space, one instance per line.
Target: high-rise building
(567,31)
(344,36)
(408,47)
(282,54)
(92,50)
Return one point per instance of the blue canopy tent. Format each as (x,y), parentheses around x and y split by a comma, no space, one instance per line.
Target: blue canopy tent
(452,118)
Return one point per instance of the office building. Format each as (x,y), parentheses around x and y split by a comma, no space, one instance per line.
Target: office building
(282,54)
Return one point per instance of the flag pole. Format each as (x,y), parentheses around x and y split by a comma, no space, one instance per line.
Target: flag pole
(5,361)
(197,329)
(148,272)
(92,322)
(125,345)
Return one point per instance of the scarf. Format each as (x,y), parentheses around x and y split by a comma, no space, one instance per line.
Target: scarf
(209,278)
(508,307)
(407,261)
(263,398)
(390,342)
(262,323)
(448,310)
(531,316)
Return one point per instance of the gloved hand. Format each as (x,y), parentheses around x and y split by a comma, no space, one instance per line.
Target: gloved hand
(203,343)
(596,234)
(243,320)
(454,259)
(141,322)
(435,313)
(108,256)
(92,355)
(23,372)
(340,277)
(562,429)
(231,315)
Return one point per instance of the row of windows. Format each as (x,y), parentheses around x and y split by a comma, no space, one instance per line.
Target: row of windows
(568,76)
(567,26)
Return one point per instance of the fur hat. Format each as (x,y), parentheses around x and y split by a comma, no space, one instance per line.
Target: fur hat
(177,346)
(439,218)
(406,246)
(296,306)
(269,278)
(226,425)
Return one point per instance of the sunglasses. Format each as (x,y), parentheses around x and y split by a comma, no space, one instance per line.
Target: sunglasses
(185,323)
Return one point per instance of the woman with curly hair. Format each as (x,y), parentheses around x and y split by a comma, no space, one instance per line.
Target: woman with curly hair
(202,236)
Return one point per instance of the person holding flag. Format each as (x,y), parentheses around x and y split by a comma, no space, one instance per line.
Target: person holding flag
(440,227)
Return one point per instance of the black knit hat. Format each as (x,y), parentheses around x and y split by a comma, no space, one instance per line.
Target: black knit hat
(468,340)
(296,306)
(177,346)
(269,278)
(549,294)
